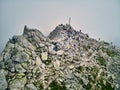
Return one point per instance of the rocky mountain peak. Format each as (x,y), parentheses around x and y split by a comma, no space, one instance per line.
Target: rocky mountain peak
(33,33)
(65,32)
(65,60)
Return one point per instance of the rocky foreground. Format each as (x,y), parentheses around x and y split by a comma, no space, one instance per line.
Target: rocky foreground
(65,60)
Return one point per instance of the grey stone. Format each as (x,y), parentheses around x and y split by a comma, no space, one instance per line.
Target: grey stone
(9,65)
(1,57)
(20,48)
(3,82)
(56,64)
(22,41)
(77,74)
(85,81)
(1,61)
(41,45)
(7,56)
(19,68)
(71,66)
(51,49)
(21,57)
(30,87)
(60,52)
(17,84)
(38,61)
(24,65)
(9,47)
(44,56)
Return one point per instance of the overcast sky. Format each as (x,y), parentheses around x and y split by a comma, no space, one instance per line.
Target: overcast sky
(98,18)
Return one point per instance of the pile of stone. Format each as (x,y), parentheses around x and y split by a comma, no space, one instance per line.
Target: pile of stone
(65,60)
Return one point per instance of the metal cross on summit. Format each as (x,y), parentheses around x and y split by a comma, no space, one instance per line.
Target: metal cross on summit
(69,20)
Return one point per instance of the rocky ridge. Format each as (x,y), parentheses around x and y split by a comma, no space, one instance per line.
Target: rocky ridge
(65,60)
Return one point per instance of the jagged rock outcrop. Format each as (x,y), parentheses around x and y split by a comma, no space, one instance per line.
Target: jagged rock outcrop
(65,60)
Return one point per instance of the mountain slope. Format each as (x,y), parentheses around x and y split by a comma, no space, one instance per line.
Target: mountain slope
(65,60)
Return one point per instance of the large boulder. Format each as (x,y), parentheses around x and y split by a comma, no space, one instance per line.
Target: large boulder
(30,87)
(10,65)
(17,84)
(52,50)
(3,82)
(19,68)
(22,41)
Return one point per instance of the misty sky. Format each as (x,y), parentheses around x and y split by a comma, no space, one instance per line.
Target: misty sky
(98,18)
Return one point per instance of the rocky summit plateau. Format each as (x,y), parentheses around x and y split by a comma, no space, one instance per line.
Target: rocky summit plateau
(67,59)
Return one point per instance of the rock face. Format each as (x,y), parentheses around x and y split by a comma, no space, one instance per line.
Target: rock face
(65,60)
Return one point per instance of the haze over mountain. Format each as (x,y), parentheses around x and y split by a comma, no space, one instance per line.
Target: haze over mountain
(97,18)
